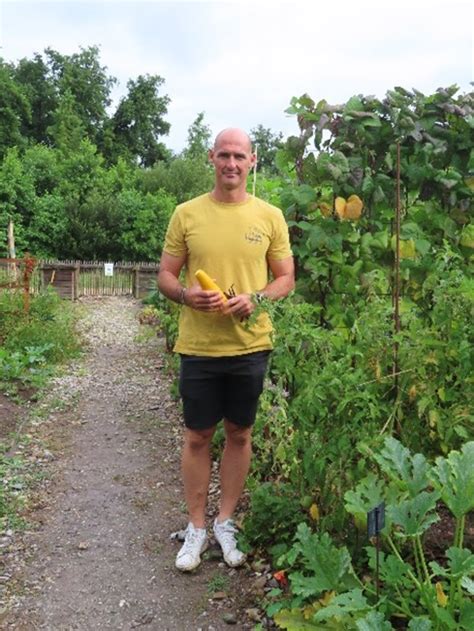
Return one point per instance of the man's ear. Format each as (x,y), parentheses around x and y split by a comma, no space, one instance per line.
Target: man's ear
(210,155)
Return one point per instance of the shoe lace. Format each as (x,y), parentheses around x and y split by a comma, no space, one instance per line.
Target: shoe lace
(190,541)
(227,533)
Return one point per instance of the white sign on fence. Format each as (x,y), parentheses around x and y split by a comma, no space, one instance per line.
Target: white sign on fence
(108,269)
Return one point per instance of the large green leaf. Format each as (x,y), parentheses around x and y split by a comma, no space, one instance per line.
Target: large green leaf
(468,585)
(467,236)
(461,563)
(420,624)
(326,565)
(414,515)
(466,618)
(454,478)
(347,603)
(445,618)
(393,570)
(410,472)
(295,620)
(304,194)
(373,621)
(368,493)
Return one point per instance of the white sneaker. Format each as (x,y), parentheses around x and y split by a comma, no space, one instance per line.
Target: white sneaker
(225,536)
(195,542)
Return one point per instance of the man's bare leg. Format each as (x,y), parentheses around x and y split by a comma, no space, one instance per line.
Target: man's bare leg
(196,471)
(235,464)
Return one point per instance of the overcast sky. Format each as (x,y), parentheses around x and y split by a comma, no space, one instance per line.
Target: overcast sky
(242,62)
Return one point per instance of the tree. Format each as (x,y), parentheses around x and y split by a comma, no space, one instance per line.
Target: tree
(36,82)
(49,229)
(81,172)
(183,178)
(67,130)
(145,220)
(199,139)
(82,76)
(42,164)
(15,110)
(139,122)
(17,196)
(267,144)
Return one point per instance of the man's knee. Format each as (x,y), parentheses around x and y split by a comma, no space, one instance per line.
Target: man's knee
(196,440)
(237,435)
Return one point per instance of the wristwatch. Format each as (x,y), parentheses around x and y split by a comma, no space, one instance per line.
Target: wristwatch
(257,297)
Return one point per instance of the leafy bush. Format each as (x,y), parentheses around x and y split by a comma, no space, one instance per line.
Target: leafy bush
(30,342)
(275,512)
(325,590)
(168,313)
(183,178)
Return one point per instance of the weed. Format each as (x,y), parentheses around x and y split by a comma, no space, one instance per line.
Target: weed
(218,583)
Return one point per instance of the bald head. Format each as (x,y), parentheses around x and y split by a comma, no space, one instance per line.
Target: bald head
(232,158)
(233,135)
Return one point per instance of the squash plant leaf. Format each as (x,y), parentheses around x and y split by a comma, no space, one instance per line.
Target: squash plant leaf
(410,472)
(327,564)
(296,620)
(447,620)
(461,561)
(420,624)
(468,584)
(350,602)
(393,571)
(415,514)
(368,493)
(466,618)
(373,621)
(461,564)
(454,478)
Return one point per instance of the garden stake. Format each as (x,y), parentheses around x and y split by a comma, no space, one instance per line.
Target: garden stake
(375,523)
(255,171)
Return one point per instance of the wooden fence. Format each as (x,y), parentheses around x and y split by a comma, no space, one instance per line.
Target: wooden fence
(73,279)
(18,274)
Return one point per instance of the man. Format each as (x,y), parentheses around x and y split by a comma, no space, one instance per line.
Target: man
(235,238)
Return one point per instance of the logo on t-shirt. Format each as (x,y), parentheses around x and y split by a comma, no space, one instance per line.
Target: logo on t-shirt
(253,235)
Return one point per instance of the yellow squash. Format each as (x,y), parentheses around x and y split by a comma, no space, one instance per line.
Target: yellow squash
(208,284)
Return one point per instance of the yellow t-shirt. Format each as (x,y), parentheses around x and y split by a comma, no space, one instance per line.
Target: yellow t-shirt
(232,243)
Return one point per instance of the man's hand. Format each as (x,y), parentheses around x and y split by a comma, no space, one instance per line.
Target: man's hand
(202,299)
(240,306)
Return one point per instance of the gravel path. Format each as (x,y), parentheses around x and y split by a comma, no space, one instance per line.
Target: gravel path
(100,556)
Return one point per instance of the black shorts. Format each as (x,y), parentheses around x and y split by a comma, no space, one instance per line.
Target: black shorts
(213,388)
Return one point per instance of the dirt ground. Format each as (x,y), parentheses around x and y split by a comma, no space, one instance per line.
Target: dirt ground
(97,552)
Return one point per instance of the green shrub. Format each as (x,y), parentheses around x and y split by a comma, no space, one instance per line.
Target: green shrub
(31,342)
(325,589)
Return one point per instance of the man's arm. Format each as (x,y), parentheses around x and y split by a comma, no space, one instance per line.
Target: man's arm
(283,282)
(168,277)
(194,296)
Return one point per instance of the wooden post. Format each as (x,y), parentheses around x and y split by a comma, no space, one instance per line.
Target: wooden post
(29,265)
(136,282)
(75,281)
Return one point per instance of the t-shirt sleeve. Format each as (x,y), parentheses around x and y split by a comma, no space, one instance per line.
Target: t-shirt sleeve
(280,247)
(175,243)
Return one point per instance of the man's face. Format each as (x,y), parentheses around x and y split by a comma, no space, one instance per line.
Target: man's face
(232,158)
